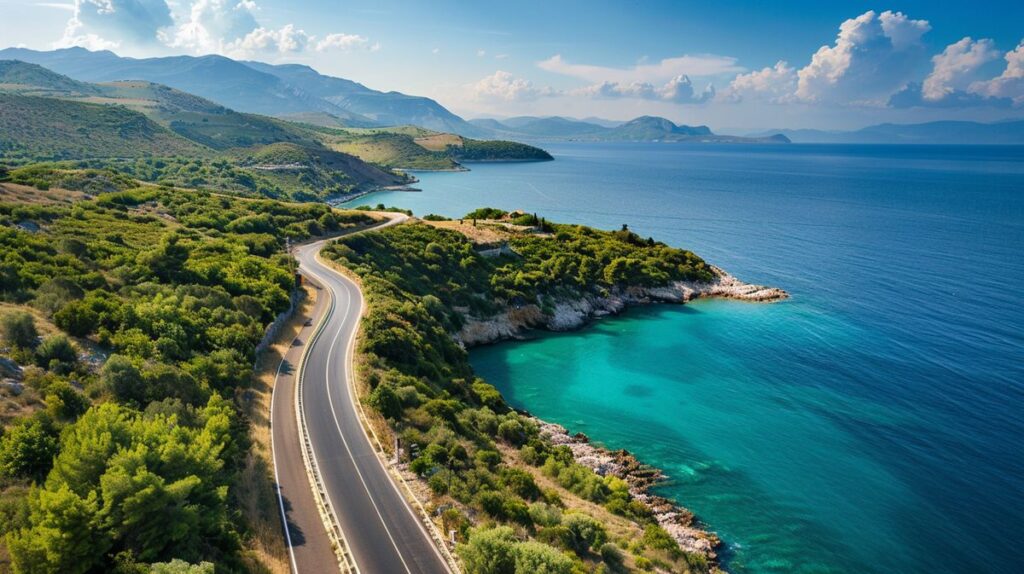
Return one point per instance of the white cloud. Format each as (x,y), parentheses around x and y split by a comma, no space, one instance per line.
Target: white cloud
(287,39)
(214,26)
(776,84)
(957,66)
(436,51)
(873,56)
(346,42)
(481,53)
(220,26)
(611,90)
(664,70)
(1009,84)
(105,24)
(677,90)
(503,86)
(501,56)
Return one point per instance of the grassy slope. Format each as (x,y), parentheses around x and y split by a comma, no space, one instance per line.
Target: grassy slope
(51,128)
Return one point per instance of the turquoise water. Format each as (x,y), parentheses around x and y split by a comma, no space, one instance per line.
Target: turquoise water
(873,423)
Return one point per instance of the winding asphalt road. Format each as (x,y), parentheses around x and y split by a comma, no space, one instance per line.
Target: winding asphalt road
(383,533)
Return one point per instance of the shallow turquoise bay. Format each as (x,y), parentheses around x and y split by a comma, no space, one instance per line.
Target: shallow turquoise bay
(872,423)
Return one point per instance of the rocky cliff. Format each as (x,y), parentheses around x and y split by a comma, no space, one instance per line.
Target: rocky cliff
(573,313)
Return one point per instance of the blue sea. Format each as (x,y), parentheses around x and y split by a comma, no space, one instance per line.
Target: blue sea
(872,423)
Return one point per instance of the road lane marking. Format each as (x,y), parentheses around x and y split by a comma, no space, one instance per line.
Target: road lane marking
(337,424)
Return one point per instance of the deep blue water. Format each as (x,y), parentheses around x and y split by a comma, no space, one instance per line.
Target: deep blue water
(874,422)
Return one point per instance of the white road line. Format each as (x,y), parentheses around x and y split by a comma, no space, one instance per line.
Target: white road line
(273,454)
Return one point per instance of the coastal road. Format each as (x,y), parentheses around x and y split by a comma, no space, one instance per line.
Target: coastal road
(383,533)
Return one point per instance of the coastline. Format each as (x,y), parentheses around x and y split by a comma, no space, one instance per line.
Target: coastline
(572,314)
(679,522)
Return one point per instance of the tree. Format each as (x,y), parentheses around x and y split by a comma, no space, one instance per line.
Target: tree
(19,330)
(64,403)
(28,448)
(77,318)
(64,538)
(386,401)
(123,379)
(489,551)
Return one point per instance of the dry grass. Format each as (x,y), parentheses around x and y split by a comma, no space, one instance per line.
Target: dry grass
(438,142)
(254,490)
(16,193)
(481,233)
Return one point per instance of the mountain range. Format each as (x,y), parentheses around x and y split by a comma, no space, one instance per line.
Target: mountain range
(254,87)
(641,129)
(940,132)
(302,94)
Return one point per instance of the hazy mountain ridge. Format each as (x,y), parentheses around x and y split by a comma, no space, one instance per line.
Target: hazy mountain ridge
(641,129)
(939,132)
(254,87)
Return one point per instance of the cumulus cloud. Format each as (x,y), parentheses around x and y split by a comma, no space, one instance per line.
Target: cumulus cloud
(346,42)
(677,90)
(503,86)
(105,24)
(698,65)
(774,83)
(228,27)
(873,56)
(1009,84)
(957,66)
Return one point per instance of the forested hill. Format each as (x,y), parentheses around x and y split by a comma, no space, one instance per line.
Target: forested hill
(124,437)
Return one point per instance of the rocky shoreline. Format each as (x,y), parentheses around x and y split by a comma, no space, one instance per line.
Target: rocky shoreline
(676,520)
(569,314)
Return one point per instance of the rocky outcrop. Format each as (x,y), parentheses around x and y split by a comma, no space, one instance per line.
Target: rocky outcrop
(569,314)
(677,521)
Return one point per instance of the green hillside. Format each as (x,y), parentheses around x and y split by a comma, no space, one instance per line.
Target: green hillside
(33,127)
(30,79)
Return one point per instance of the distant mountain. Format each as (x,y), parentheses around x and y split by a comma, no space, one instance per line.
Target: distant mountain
(255,87)
(642,129)
(557,127)
(941,132)
(380,108)
(651,128)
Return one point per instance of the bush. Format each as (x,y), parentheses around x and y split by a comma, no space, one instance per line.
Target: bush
(489,551)
(543,514)
(18,329)
(611,555)
(537,558)
(584,532)
(386,401)
(56,353)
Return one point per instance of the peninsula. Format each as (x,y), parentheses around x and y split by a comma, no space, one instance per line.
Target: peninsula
(485,468)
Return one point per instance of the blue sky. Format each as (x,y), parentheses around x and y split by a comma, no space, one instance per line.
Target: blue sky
(732,65)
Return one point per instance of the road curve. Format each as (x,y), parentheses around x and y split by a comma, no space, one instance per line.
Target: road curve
(383,533)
